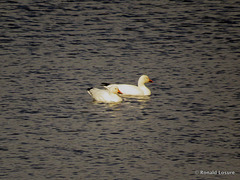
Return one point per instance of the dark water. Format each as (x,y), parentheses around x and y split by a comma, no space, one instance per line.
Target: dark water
(52,51)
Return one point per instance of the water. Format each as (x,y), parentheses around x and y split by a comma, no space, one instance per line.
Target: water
(52,51)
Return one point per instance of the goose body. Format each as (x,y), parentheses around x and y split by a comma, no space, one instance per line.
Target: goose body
(109,95)
(127,89)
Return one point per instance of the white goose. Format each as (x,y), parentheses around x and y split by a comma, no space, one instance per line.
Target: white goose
(109,95)
(127,89)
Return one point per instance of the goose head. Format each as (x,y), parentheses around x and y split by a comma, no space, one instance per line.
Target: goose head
(144,79)
(114,90)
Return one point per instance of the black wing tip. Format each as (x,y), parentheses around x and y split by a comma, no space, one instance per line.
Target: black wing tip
(105,84)
(89,88)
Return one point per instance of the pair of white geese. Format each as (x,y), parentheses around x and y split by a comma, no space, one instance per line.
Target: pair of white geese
(110,94)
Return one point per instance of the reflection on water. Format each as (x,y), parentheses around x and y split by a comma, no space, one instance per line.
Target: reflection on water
(51,52)
(138,98)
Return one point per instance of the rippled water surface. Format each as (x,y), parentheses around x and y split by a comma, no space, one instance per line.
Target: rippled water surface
(52,51)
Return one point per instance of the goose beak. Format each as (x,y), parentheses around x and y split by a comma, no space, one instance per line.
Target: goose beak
(119,91)
(150,80)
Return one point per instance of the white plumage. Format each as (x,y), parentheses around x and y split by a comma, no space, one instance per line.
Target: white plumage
(108,95)
(139,90)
